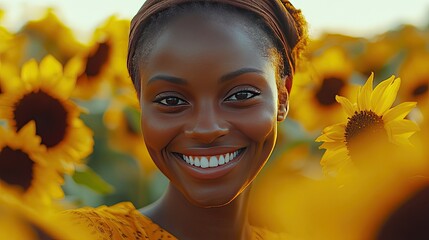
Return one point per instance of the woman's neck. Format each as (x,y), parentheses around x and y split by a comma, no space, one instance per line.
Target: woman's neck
(177,215)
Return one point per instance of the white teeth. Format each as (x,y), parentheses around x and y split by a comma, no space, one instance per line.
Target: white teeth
(213,161)
(197,161)
(204,162)
(210,161)
(221,160)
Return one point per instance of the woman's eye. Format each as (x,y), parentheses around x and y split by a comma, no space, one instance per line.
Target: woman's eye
(171,101)
(242,95)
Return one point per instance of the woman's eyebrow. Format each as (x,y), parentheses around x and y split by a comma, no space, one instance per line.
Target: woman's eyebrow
(167,78)
(224,78)
(239,72)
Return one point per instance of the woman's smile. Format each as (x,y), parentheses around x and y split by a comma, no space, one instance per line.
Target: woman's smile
(209,163)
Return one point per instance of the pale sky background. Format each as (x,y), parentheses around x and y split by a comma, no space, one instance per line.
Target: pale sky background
(354,17)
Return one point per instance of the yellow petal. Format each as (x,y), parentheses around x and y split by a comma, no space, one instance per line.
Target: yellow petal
(364,94)
(324,138)
(332,133)
(50,70)
(335,135)
(398,112)
(334,157)
(30,72)
(29,129)
(388,97)
(74,67)
(332,145)
(401,126)
(66,87)
(402,139)
(339,127)
(378,93)
(28,132)
(348,107)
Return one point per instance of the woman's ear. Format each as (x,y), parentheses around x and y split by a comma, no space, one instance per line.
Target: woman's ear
(282,111)
(283,100)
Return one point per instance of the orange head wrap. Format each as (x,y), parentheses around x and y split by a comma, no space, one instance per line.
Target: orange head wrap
(281,17)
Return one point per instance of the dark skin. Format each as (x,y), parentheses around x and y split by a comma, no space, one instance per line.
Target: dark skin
(208,91)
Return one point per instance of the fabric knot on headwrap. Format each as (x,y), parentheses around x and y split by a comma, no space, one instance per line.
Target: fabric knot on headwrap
(275,13)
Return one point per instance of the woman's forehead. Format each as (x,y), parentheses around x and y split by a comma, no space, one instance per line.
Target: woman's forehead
(195,41)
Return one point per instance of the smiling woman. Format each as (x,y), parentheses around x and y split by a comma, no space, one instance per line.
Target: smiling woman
(213,79)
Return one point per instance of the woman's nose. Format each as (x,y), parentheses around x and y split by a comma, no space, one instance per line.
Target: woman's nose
(207,126)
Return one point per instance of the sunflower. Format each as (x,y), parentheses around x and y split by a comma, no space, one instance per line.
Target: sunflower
(360,207)
(415,75)
(407,219)
(23,170)
(116,30)
(122,118)
(376,55)
(49,35)
(371,124)
(329,40)
(43,97)
(316,84)
(105,60)
(11,47)
(18,220)
(8,78)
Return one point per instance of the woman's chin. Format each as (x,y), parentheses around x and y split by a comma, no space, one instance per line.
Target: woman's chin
(210,201)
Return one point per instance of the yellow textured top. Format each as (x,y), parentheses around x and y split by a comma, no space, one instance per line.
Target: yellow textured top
(124,221)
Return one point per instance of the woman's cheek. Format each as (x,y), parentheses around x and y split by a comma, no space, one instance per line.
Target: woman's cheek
(158,129)
(257,123)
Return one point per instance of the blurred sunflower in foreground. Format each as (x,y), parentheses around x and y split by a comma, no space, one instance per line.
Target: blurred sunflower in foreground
(42,97)
(24,172)
(371,124)
(383,203)
(18,221)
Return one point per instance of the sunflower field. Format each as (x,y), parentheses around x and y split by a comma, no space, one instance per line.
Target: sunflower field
(350,161)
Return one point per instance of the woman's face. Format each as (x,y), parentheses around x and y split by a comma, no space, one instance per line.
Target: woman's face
(209,108)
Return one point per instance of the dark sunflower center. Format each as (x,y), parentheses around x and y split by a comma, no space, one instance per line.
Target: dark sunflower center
(364,130)
(420,90)
(330,87)
(49,114)
(97,60)
(410,220)
(16,168)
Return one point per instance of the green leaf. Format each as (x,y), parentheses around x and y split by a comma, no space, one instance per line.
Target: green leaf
(87,177)
(132,116)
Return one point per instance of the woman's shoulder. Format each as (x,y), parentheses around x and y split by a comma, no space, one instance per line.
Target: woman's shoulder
(124,221)
(120,221)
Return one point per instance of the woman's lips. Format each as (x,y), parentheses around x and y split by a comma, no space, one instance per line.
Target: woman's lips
(210,166)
